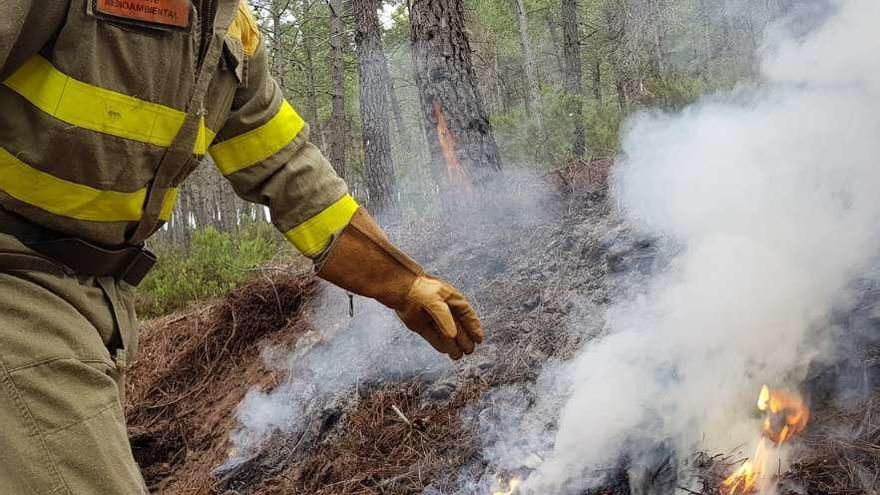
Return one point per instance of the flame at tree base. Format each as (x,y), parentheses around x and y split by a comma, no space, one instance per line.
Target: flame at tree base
(454,170)
(785,415)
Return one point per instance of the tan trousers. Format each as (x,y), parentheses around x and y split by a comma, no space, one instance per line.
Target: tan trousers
(64,345)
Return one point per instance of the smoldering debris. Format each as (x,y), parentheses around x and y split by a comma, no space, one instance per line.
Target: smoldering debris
(772,194)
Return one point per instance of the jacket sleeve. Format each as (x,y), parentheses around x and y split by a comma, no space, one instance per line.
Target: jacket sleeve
(263,149)
(25,27)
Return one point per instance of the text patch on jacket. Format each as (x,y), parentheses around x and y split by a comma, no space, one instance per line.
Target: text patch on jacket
(164,12)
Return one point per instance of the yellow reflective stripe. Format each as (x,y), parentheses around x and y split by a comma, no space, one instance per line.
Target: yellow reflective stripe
(314,236)
(98,109)
(254,146)
(205,138)
(168,204)
(68,199)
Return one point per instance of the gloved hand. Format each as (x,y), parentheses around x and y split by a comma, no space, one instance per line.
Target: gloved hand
(362,260)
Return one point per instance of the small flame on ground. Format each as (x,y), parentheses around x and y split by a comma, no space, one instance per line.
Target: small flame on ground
(744,479)
(512,485)
(785,415)
(788,415)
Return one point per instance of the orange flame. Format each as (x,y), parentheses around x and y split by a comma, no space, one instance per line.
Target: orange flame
(785,415)
(744,479)
(454,170)
(512,485)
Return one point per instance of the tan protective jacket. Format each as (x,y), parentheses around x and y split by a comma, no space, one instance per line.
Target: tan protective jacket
(107,105)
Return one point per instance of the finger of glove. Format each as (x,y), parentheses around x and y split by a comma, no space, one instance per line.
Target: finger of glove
(441,344)
(465,344)
(440,312)
(423,325)
(467,316)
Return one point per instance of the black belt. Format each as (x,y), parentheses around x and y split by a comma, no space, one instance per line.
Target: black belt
(129,264)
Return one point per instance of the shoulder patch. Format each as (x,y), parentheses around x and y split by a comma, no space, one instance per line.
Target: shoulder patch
(244,28)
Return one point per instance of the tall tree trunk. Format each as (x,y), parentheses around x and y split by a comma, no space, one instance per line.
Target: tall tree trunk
(311,83)
(552,24)
(374,98)
(533,102)
(275,52)
(178,226)
(228,204)
(456,124)
(200,198)
(658,7)
(338,129)
(396,110)
(573,83)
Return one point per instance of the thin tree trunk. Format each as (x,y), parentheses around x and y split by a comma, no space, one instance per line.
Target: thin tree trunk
(659,37)
(228,202)
(573,83)
(275,51)
(374,100)
(338,130)
(552,24)
(199,199)
(456,124)
(533,102)
(311,83)
(396,110)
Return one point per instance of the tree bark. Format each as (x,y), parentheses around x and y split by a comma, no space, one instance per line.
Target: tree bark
(396,110)
(374,101)
(658,7)
(552,24)
(311,83)
(275,51)
(338,129)
(456,124)
(573,77)
(533,102)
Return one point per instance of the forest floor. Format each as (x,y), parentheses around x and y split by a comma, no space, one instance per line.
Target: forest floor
(541,261)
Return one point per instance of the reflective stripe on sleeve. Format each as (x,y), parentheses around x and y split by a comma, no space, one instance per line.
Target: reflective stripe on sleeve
(98,109)
(68,199)
(314,236)
(252,147)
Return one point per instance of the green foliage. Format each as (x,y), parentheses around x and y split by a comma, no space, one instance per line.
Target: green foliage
(215,264)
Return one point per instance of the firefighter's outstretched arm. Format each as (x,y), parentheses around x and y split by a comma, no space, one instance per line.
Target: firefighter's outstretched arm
(264,151)
(364,261)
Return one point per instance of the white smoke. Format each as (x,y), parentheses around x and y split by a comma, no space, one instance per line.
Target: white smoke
(341,355)
(773,194)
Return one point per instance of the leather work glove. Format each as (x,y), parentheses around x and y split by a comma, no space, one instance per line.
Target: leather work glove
(362,260)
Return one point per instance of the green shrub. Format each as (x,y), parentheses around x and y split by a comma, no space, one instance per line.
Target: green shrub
(215,264)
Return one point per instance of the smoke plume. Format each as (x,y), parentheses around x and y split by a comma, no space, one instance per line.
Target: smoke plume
(772,196)
(343,355)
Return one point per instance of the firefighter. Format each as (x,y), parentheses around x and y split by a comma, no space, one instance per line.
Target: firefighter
(105,107)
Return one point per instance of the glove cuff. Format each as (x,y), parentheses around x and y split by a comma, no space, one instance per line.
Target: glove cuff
(362,260)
